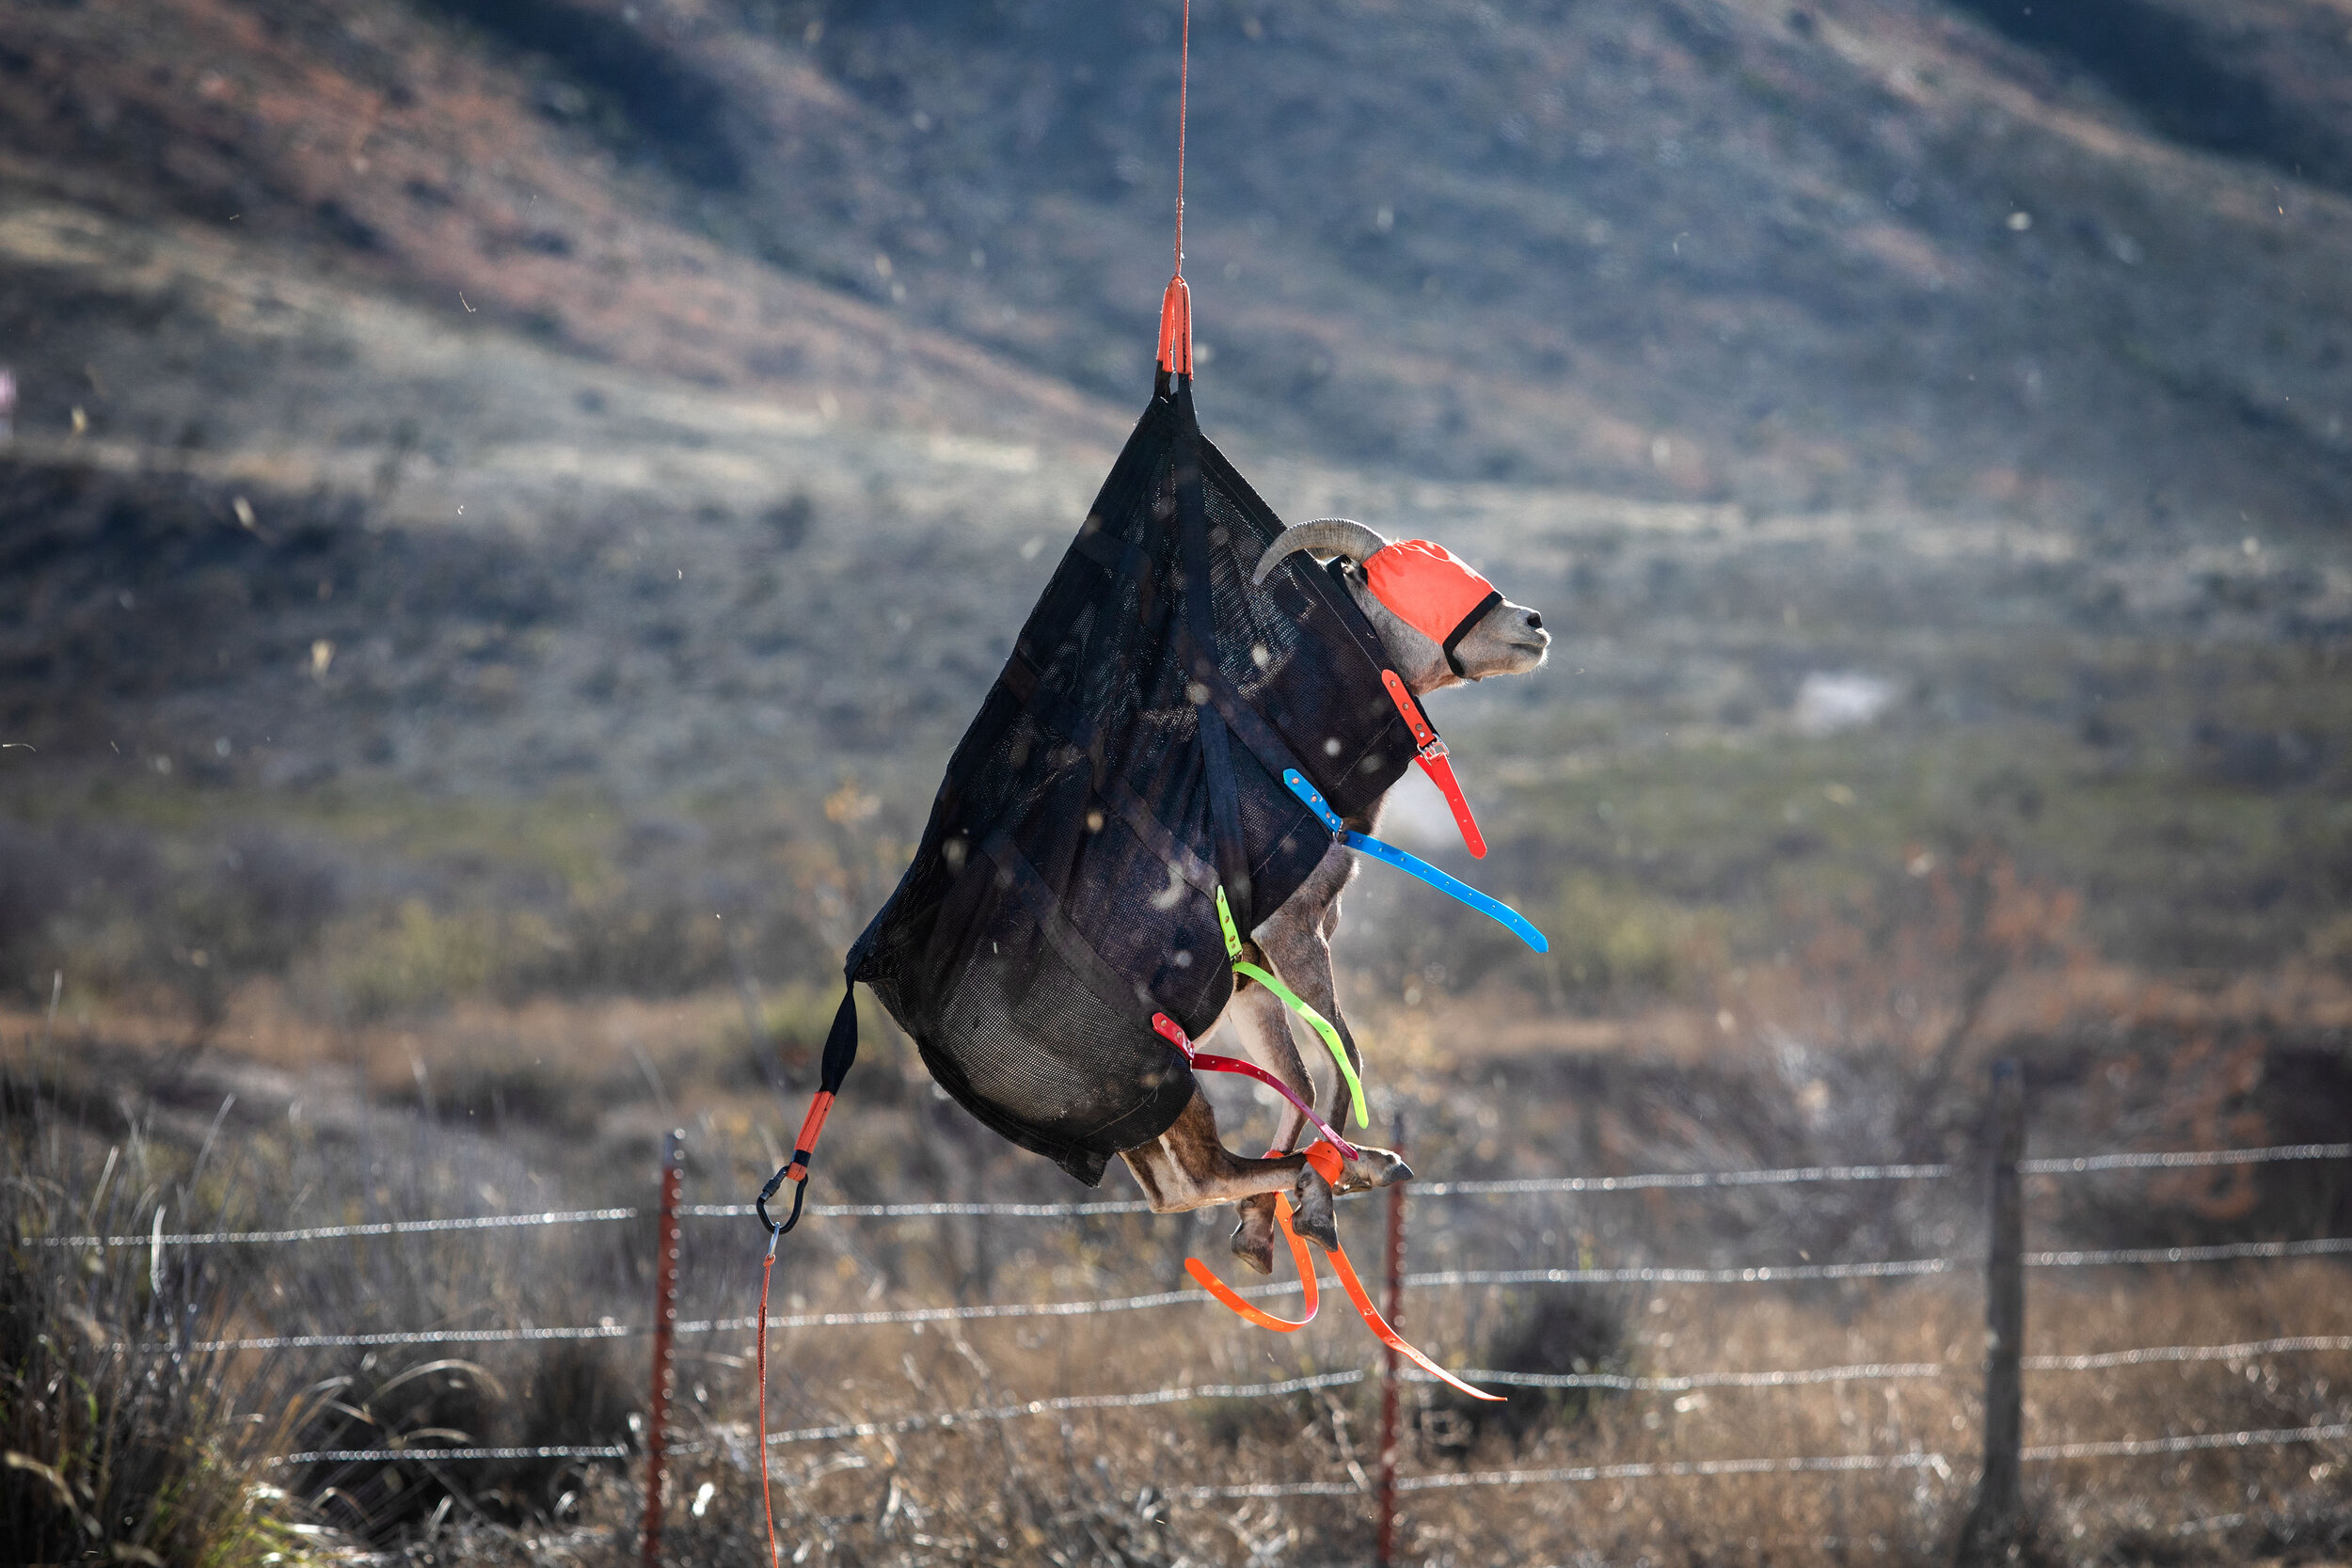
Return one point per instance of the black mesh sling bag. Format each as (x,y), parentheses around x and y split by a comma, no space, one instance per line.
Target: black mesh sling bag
(1126,764)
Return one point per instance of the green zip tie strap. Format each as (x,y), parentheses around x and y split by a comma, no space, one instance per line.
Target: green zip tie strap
(1289,999)
(1225,918)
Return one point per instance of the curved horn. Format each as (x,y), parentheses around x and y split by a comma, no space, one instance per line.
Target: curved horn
(1333,535)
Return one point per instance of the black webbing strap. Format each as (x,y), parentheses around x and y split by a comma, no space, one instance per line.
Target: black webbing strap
(840,1055)
(1199,644)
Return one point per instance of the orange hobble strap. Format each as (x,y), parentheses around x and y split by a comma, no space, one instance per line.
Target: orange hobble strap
(1326,1161)
(1226,1293)
(1390,1337)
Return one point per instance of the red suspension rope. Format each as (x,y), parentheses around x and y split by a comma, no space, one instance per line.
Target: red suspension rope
(767,1500)
(1183,91)
(1176,303)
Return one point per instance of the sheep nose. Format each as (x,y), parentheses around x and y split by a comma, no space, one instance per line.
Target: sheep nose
(1535,622)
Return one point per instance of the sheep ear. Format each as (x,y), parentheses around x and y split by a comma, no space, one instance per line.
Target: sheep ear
(1331,535)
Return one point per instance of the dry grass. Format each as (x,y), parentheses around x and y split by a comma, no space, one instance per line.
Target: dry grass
(479,1107)
(1106,1486)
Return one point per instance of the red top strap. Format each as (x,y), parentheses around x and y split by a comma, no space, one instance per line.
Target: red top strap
(1176,328)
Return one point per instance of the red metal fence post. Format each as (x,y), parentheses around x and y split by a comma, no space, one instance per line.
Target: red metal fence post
(1385,1543)
(664,1325)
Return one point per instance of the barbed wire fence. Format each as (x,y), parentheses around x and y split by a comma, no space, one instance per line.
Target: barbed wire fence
(2000,1455)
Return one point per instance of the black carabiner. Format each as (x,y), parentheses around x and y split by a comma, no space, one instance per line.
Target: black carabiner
(799,1191)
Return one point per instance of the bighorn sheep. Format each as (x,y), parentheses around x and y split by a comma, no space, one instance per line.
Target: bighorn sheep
(1188,1165)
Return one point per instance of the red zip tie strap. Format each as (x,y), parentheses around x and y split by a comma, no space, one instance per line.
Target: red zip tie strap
(1431,754)
(1176,301)
(1172,1032)
(766,1498)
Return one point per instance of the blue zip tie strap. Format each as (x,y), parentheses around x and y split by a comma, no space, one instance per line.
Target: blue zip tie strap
(1413,865)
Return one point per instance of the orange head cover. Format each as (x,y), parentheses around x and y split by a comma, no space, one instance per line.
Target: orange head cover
(1432,590)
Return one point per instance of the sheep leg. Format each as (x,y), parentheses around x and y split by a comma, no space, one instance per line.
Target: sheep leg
(1189,1167)
(1300,951)
(1258,1016)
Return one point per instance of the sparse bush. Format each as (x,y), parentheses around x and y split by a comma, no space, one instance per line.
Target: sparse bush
(1547,1334)
(565,1394)
(413,957)
(118,1442)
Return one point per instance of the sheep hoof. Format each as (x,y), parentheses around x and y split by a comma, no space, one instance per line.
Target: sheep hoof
(1311,1209)
(1253,1238)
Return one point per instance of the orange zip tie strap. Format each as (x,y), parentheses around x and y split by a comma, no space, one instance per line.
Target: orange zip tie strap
(1327,1161)
(1299,1256)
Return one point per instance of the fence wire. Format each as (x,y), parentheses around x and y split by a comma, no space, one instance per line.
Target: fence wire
(419,1337)
(1876,1371)
(924,1211)
(2325,1245)
(362,1456)
(2158,1354)
(2119,1449)
(1790,1176)
(1450,1278)
(2183,1159)
(340,1232)
(1672,1180)
(1763,1274)
(2132,1448)
(1634,1471)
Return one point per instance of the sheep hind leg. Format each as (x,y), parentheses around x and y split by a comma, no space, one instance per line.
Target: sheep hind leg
(1189,1167)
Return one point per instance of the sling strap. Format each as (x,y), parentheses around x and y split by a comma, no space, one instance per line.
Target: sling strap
(840,1055)
(1172,1032)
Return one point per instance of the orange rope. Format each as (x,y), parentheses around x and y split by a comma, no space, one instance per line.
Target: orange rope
(767,1502)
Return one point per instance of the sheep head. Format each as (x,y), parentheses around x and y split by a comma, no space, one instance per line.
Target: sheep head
(1440,623)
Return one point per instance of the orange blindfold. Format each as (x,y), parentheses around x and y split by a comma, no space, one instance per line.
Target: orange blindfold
(1431,589)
